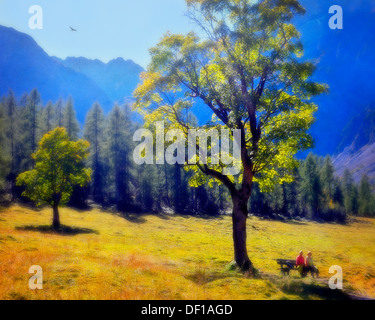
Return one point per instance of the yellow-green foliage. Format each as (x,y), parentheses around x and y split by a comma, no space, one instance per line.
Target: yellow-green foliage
(248,74)
(59,166)
(108,256)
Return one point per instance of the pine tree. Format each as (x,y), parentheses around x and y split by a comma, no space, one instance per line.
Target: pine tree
(119,150)
(30,129)
(291,190)
(327,177)
(147,191)
(3,167)
(338,196)
(350,193)
(33,103)
(285,203)
(310,185)
(163,183)
(59,113)
(70,121)
(365,198)
(11,130)
(94,131)
(258,202)
(47,119)
(179,190)
(80,194)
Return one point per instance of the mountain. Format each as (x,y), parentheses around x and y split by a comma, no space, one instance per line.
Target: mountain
(360,131)
(345,61)
(357,148)
(117,78)
(24,65)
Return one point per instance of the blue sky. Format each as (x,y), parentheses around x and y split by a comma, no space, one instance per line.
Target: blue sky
(107,29)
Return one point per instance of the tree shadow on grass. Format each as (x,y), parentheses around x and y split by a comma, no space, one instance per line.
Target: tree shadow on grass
(202,279)
(204,276)
(308,291)
(64,230)
(162,216)
(201,216)
(294,222)
(133,218)
(286,220)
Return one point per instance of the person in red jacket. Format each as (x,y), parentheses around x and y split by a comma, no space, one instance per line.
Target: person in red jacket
(300,263)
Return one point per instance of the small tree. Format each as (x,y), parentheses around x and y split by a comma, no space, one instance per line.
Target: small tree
(58,168)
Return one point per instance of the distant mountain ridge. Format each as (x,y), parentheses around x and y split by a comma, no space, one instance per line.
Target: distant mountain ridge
(118,78)
(24,65)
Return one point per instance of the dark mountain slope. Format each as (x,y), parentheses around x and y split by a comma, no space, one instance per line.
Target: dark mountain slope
(345,61)
(24,66)
(357,148)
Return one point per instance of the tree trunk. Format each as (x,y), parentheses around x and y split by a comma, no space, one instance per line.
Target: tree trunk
(239,217)
(56,217)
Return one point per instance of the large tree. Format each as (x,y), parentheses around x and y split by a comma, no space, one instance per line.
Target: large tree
(59,166)
(245,68)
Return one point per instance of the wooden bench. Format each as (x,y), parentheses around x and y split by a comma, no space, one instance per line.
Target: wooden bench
(286,265)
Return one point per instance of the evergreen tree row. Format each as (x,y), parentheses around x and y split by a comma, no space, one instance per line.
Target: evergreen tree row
(116,180)
(317,193)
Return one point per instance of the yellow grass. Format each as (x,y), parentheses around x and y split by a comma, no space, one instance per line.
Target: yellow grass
(174,257)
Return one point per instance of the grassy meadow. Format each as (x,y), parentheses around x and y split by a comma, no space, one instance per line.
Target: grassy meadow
(104,255)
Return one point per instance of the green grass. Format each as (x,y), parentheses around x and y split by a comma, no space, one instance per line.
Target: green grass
(103,255)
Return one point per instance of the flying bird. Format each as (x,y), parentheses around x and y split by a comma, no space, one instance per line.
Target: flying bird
(72,29)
